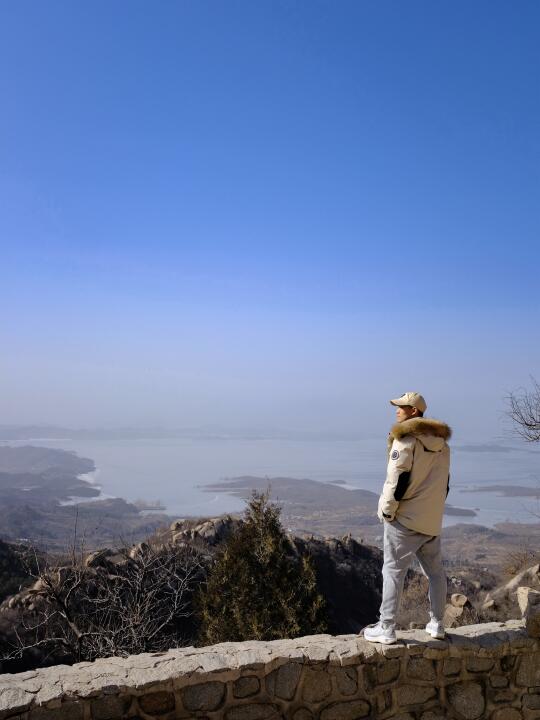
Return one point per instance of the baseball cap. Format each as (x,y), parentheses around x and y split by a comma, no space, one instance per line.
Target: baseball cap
(413,399)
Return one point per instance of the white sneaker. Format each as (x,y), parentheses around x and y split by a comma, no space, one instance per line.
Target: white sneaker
(435,629)
(381,633)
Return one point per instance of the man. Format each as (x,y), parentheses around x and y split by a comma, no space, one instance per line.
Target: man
(411,507)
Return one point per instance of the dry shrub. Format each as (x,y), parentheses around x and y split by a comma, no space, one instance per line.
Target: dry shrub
(520,559)
(141,602)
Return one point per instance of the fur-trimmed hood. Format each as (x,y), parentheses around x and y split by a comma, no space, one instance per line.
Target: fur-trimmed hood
(431,433)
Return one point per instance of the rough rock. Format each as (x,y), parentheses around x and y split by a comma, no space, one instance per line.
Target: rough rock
(452,615)
(205,696)
(467,699)
(351,710)
(528,673)
(282,682)
(414,695)
(246,686)
(316,685)
(254,711)
(458,599)
(529,604)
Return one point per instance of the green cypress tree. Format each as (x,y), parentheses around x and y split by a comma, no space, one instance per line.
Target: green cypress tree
(258,587)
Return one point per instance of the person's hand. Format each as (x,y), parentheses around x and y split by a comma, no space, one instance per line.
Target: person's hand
(383,517)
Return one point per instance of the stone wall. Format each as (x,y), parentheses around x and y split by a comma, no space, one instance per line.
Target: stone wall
(480,671)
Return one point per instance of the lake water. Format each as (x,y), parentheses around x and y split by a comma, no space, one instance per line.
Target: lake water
(175,471)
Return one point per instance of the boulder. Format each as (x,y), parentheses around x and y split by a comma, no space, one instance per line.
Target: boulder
(529,604)
(212,531)
(452,615)
(99,558)
(529,577)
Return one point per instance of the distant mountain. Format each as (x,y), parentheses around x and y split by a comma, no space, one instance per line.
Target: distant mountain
(34,484)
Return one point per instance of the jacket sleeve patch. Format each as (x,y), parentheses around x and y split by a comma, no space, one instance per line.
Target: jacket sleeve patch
(395,454)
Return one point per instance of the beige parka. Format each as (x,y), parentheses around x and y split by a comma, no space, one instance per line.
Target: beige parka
(418,475)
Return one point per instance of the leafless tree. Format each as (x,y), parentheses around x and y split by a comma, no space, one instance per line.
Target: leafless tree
(524,411)
(110,603)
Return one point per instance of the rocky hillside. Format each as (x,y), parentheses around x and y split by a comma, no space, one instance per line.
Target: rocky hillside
(348,575)
(348,572)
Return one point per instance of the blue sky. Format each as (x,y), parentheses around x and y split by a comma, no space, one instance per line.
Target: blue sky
(270,213)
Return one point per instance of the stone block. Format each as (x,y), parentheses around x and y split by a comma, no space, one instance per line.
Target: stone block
(109,707)
(436,653)
(157,703)
(531,701)
(506,714)
(467,698)
(346,680)
(318,653)
(414,694)
(316,685)
(506,696)
(528,672)
(498,681)
(254,711)
(451,666)
(421,669)
(415,648)
(246,686)
(393,651)
(451,615)
(526,598)
(282,683)
(389,671)
(438,714)
(13,700)
(303,714)
(66,711)
(348,710)
(479,664)
(529,604)
(205,696)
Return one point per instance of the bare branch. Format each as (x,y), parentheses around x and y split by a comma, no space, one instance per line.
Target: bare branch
(524,411)
(139,601)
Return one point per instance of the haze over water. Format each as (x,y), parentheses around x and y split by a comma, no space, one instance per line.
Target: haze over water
(175,471)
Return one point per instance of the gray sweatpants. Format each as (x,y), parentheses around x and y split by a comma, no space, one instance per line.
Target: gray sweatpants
(400,544)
